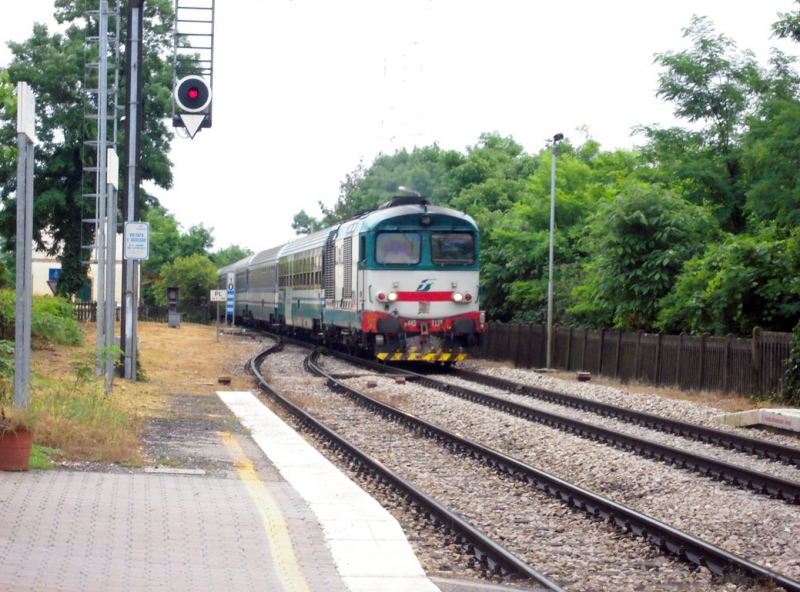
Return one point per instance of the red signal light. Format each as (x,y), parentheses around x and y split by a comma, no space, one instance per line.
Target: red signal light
(192,94)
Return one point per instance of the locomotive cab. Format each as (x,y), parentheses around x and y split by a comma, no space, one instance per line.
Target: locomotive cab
(418,267)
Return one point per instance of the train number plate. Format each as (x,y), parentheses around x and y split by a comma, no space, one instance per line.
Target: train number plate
(424,307)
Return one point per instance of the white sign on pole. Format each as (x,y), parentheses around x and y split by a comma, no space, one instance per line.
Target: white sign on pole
(112,168)
(137,240)
(218,295)
(26,111)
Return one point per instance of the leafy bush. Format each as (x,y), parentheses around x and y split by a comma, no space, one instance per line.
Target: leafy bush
(194,275)
(6,359)
(747,281)
(52,319)
(7,313)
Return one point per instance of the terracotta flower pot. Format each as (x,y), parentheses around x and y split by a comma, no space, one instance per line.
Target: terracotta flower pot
(15,450)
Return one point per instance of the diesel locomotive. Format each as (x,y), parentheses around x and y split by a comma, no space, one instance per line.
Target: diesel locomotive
(399,282)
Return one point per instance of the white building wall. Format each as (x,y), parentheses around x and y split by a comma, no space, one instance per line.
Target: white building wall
(43,268)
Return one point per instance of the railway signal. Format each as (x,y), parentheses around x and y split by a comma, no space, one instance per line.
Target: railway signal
(193,96)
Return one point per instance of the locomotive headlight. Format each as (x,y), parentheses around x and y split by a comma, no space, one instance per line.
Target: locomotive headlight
(457,297)
(392,297)
(425,220)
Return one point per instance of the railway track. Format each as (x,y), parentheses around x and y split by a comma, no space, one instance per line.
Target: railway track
(733,474)
(518,474)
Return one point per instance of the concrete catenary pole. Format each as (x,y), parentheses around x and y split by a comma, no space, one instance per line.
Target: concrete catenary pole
(26,137)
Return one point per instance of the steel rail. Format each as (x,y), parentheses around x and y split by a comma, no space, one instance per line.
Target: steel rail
(486,551)
(734,475)
(662,536)
(772,451)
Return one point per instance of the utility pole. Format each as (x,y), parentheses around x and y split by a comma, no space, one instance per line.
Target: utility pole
(26,137)
(133,126)
(556,138)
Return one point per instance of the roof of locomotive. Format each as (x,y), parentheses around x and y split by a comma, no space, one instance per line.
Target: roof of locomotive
(410,208)
(402,205)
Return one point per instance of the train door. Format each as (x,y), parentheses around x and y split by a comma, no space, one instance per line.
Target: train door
(287,279)
(361,280)
(329,278)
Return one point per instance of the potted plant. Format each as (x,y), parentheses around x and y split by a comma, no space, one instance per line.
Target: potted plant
(16,439)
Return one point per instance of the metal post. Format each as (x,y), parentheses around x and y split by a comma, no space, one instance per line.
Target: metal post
(112,178)
(556,138)
(26,118)
(100,201)
(132,181)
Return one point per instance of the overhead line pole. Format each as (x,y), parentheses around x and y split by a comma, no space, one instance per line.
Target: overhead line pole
(26,138)
(133,120)
(100,182)
(556,138)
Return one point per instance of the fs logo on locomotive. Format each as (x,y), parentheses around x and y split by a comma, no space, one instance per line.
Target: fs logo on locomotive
(424,286)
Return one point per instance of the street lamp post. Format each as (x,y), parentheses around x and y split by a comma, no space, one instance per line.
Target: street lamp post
(556,138)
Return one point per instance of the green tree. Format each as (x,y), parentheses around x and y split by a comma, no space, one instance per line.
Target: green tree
(515,252)
(8,104)
(194,275)
(771,147)
(492,177)
(305,224)
(713,85)
(53,65)
(788,27)
(422,169)
(167,243)
(164,238)
(197,241)
(638,244)
(744,282)
(228,255)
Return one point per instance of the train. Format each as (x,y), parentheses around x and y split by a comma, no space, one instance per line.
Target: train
(399,282)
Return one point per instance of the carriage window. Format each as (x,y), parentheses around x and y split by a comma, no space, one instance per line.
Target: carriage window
(453,248)
(398,248)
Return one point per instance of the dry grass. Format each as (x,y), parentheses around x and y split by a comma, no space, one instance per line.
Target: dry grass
(185,360)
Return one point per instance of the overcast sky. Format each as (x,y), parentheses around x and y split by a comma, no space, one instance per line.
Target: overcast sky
(307,89)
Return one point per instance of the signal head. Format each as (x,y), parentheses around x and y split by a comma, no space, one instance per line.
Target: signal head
(192,94)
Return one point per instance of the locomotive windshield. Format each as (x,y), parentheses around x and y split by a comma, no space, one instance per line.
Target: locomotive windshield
(453,248)
(398,248)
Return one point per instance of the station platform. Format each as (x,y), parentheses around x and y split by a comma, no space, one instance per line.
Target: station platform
(282,519)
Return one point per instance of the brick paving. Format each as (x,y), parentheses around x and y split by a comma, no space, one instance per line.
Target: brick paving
(66,531)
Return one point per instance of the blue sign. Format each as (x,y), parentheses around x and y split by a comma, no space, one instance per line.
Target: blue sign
(53,274)
(231,291)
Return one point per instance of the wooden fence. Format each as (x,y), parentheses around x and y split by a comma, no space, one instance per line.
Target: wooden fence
(87,311)
(750,367)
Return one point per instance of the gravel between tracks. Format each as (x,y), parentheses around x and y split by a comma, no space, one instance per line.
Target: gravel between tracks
(758,528)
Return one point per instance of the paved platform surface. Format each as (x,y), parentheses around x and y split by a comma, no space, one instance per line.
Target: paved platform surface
(272,517)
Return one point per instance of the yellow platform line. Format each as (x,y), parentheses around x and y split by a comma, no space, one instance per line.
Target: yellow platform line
(287,569)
